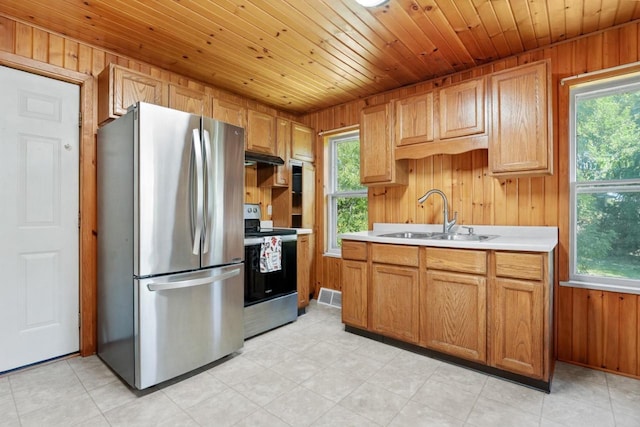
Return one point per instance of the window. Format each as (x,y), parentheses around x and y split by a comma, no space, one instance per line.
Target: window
(605,184)
(347,198)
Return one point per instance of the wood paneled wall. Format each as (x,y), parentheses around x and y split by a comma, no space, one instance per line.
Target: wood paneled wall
(594,328)
(40,51)
(599,329)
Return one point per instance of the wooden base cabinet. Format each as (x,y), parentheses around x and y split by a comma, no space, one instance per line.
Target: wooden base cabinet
(453,314)
(354,293)
(492,308)
(355,281)
(303,270)
(519,314)
(394,301)
(516,326)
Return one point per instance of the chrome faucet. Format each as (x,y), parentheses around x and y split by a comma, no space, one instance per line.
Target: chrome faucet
(447,225)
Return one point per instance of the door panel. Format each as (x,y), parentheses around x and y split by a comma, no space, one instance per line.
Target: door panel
(39,138)
(186,321)
(166,192)
(224,219)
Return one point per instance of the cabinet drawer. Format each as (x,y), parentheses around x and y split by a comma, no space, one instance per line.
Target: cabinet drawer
(395,254)
(354,250)
(460,260)
(520,265)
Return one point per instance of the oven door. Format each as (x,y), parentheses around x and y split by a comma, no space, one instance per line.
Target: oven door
(259,286)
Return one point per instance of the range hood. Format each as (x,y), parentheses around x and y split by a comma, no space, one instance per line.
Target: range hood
(253,158)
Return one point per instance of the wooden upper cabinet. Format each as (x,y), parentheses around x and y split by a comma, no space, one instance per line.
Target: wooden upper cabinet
(377,161)
(308,195)
(414,119)
(120,88)
(302,143)
(278,176)
(462,109)
(450,120)
(283,144)
(261,135)
(189,100)
(229,112)
(521,140)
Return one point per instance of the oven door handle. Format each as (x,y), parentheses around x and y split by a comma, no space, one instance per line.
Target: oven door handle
(250,241)
(192,282)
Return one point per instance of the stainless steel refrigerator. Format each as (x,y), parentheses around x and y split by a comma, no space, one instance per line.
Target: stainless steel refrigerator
(170,243)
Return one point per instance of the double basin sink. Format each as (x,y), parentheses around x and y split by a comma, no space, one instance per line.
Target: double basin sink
(439,236)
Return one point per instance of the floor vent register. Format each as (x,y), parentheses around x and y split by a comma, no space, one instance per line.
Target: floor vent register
(330,297)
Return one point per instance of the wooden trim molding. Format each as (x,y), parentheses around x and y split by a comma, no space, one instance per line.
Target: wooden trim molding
(603,74)
(87,169)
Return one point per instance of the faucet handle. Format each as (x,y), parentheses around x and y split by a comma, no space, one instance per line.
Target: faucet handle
(449,224)
(469,229)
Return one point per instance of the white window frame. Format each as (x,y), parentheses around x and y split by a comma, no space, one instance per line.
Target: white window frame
(333,194)
(584,92)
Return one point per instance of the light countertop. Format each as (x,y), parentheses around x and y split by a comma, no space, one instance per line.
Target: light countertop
(303,230)
(510,238)
(299,230)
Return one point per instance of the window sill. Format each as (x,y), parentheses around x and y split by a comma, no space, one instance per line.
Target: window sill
(602,287)
(333,254)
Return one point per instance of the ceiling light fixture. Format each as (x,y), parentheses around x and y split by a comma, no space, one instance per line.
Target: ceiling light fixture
(371,3)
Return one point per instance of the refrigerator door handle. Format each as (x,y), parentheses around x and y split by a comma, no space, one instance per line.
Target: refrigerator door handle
(207,157)
(195,141)
(193,282)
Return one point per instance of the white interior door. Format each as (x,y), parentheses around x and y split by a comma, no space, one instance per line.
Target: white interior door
(39,161)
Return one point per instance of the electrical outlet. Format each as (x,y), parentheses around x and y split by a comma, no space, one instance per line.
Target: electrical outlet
(269,210)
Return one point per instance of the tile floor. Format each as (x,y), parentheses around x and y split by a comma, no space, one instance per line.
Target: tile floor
(312,373)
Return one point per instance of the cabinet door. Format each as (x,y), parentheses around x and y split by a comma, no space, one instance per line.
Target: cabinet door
(394,301)
(119,88)
(260,132)
(278,176)
(283,144)
(189,100)
(228,112)
(521,135)
(377,164)
(453,314)
(304,270)
(302,143)
(462,109)
(516,323)
(414,119)
(354,293)
(308,195)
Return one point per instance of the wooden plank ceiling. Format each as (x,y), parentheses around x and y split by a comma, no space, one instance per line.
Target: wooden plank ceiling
(306,55)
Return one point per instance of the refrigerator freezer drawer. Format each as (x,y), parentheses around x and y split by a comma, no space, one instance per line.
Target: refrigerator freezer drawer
(186,321)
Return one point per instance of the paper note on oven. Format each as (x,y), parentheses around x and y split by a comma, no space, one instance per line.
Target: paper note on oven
(271,254)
